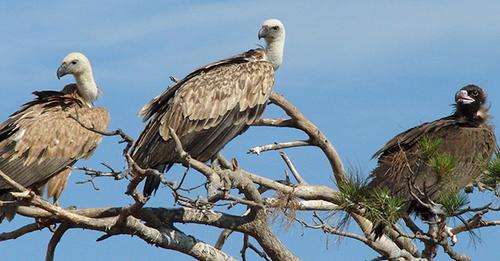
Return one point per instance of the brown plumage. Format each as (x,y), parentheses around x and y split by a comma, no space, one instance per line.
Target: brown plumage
(206,109)
(40,142)
(466,135)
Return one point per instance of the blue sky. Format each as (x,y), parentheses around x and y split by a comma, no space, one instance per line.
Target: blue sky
(363,71)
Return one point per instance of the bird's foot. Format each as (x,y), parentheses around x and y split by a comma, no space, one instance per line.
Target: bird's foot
(449,233)
(72,207)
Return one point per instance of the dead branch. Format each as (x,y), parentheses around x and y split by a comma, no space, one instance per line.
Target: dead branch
(55,240)
(316,136)
(223,180)
(222,238)
(306,205)
(292,168)
(23,231)
(274,122)
(278,146)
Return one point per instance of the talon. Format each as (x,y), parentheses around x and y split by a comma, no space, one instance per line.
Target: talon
(453,237)
(235,165)
(52,228)
(21,195)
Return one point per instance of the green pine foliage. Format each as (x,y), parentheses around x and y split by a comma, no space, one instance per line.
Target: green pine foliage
(352,192)
(379,205)
(492,178)
(429,147)
(442,164)
(382,207)
(453,201)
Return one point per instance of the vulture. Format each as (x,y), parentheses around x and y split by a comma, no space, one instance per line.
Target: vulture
(210,106)
(466,136)
(40,142)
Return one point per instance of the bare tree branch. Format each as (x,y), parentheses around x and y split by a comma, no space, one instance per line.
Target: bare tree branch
(316,136)
(55,240)
(292,168)
(274,122)
(22,231)
(278,146)
(226,185)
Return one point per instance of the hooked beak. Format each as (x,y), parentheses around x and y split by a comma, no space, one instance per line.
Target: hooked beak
(463,97)
(61,71)
(262,32)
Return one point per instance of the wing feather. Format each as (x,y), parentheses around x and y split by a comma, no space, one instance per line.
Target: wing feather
(206,109)
(471,146)
(42,140)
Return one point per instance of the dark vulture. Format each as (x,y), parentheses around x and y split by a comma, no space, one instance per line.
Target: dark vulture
(40,142)
(210,106)
(466,136)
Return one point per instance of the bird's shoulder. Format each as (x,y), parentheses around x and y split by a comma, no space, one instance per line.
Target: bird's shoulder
(223,74)
(44,102)
(53,125)
(409,138)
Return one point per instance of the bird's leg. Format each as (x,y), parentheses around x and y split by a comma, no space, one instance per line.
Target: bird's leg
(433,225)
(215,164)
(469,188)
(431,247)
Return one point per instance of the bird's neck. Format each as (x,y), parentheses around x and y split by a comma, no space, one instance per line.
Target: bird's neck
(473,116)
(274,52)
(87,88)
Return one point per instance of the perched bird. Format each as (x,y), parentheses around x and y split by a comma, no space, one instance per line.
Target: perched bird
(465,136)
(40,142)
(210,106)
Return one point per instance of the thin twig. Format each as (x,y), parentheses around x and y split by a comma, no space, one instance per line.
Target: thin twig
(51,248)
(258,252)
(292,168)
(244,248)
(222,238)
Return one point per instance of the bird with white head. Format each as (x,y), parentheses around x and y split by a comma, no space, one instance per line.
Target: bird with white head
(273,32)
(79,66)
(210,106)
(40,142)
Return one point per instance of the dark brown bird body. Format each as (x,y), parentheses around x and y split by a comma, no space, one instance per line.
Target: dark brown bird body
(40,142)
(466,136)
(206,109)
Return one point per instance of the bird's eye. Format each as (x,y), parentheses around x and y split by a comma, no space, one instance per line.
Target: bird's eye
(74,62)
(275,28)
(474,92)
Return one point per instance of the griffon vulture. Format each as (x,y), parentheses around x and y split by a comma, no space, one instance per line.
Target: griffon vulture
(210,106)
(40,143)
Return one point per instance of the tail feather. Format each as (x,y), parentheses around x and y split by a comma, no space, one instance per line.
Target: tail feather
(378,230)
(152,183)
(9,210)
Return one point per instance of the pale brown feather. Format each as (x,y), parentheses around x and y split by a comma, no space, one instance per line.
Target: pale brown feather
(206,109)
(41,141)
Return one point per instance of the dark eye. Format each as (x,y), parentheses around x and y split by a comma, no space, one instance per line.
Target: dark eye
(474,92)
(74,62)
(275,28)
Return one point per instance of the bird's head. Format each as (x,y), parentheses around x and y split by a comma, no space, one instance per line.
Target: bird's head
(469,100)
(272,30)
(79,66)
(75,64)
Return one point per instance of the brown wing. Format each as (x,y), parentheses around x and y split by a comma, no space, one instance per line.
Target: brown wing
(411,136)
(206,109)
(219,99)
(471,146)
(41,140)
